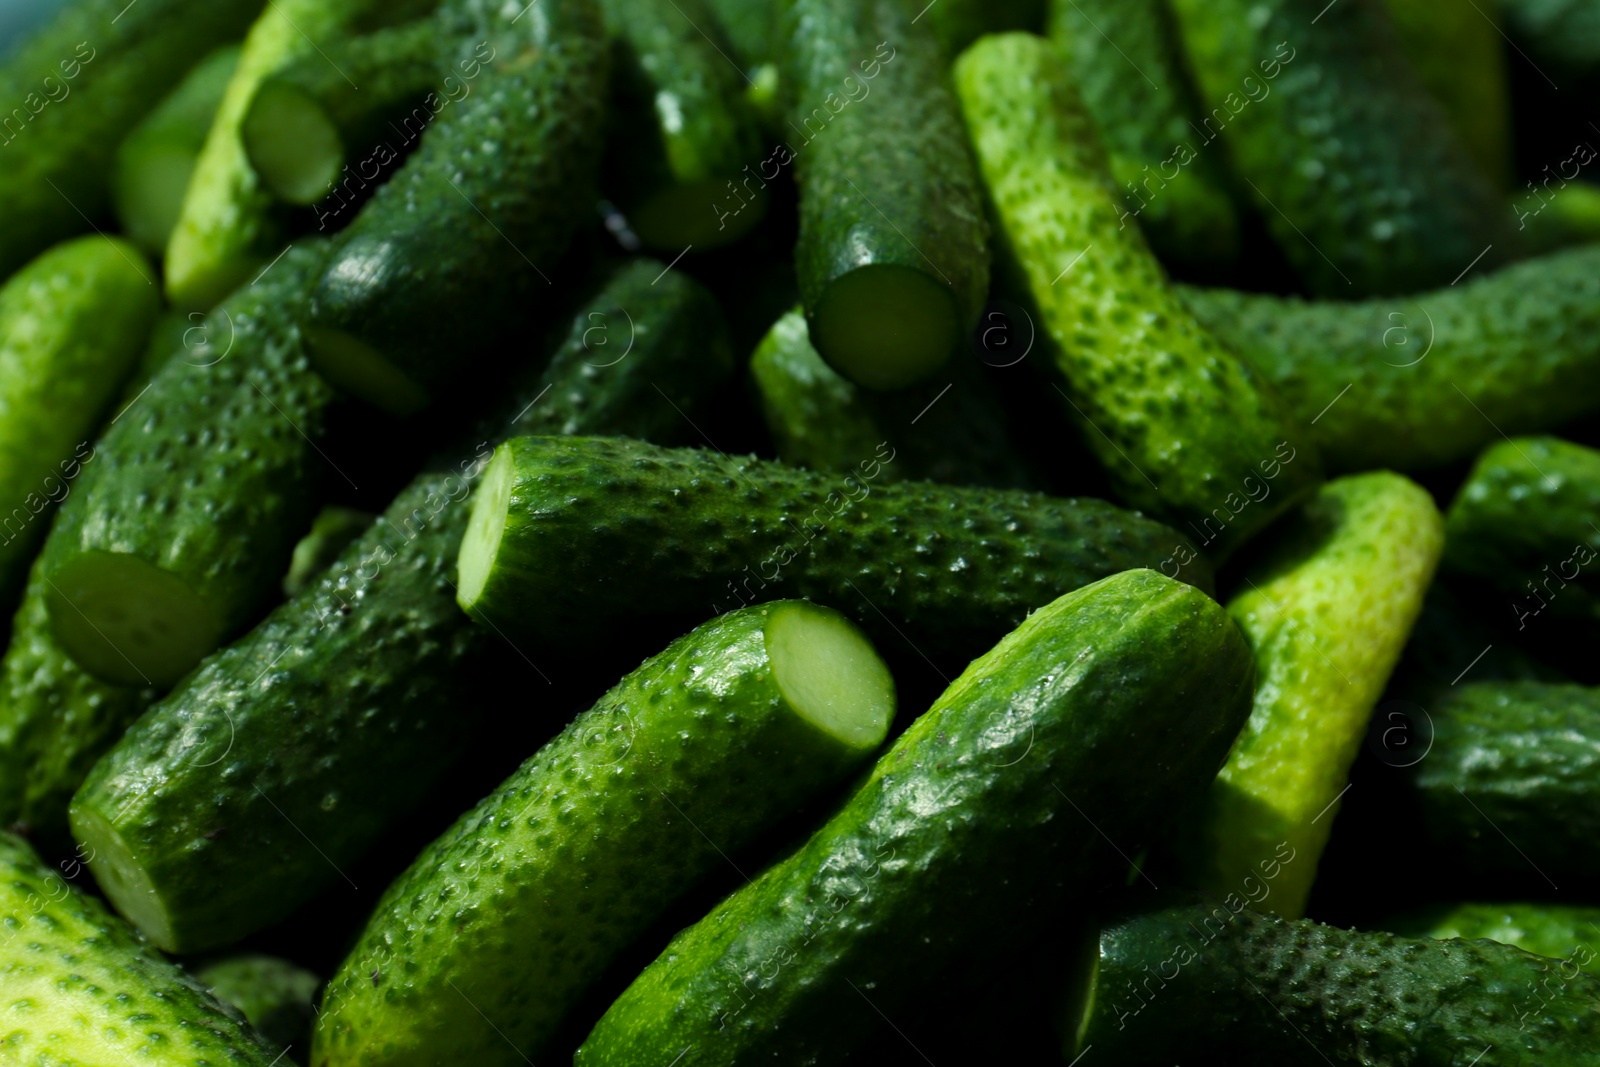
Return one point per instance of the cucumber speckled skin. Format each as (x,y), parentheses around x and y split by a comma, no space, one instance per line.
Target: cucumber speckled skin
(963,831)
(1185,427)
(82,987)
(1427,374)
(1352,164)
(1254,990)
(274,995)
(348,701)
(688,758)
(1557,931)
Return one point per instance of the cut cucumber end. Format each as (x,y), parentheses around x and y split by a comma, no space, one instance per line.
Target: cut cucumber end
(481,543)
(292,144)
(830,674)
(362,371)
(122,877)
(1080,998)
(128,621)
(703,214)
(885,326)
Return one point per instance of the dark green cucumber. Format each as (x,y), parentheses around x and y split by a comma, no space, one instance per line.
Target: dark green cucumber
(1523,522)
(685,141)
(148,572)
(687,758)
(1454,638)
(451,246)
(154,162)
(335,714)
(331,533)
(1352,164)
(114,63)
(952,429)
(1556,931)
(957,23)
(273,995)
(1125,57)
(1250,989)
(892,257)
(310,118)
(750,27)
(1560,37)
(1434,378)
(72,326)
(985,816)
(570,534)
(83,988)
(1186,429)
(1554,218)
(1508,787)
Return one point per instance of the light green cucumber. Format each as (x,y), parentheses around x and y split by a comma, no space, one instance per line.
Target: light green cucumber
(1557,931)
(1327,610)
(1554,218)
(1183,425)
(331,533)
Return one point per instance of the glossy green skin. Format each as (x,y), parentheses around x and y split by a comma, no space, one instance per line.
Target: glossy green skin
(600,529)
(960,829)
(84,988)
(273,994)
(1138,93)
(72,327)
(951,430)
(899,146)
(1411,406)
(1327,610)
(1522,523)
(69,141)
(1344,153)
(1177,419)
(369,695)
(331,533)
(227,526)
(1561,36)
(498,182)
(1250,989)
(1522,756)
(689,757)
(1556,931)
(957,23)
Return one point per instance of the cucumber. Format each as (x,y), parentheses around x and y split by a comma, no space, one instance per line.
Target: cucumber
(72,326)
(1251,989)
(313,115)
(1451,640)
(331,533)
(569,534)
(1522,524)
(1557,931)
(957,23)
(336,713)
(1354,167)
(273,995)
(153,164)
(117,63)
(1560,37)
(1428,378)
(83,988)
(750,27)
(1327,610)
(1559,218)
(946,431)
(450,249)
(686,143)
(964,828)
(690,756)
(1185,428)
(892,256)
(1128,65)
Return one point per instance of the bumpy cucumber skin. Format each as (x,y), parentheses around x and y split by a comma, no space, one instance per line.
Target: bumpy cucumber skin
(1254,989)
(112,998)
(959,832)
(1327,611)
(349,700)
(123,63)
(1414,405)
(1349,156)
(499,182)
(950,430)
(274,995)
(1128,65)
(72,326)
(687,758)
(331,533)
(1521,757)
(1182,424)
(598,528)
(1522,522)
(255,410)
(1557,931)
(886,178)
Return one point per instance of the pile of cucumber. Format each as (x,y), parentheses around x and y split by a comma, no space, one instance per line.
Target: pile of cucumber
(641,533)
